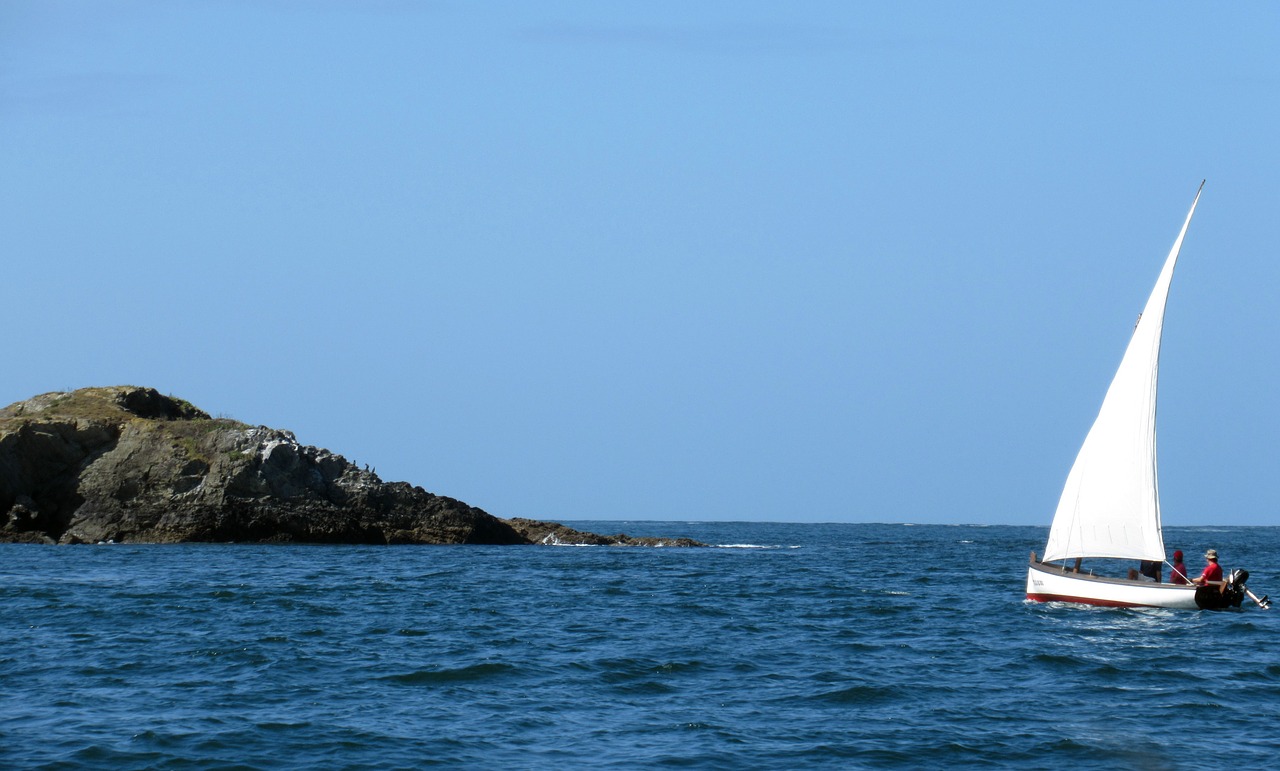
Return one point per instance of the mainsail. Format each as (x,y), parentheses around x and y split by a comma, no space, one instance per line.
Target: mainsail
(1110,506)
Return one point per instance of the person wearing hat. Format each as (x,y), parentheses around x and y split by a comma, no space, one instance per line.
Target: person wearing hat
(1179,570)
(1212,571)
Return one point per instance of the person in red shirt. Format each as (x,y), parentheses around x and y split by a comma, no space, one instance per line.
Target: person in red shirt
(1212,571)
(1179,570)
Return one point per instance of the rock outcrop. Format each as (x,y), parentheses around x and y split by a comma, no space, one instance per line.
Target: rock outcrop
(553,534)
(130,465)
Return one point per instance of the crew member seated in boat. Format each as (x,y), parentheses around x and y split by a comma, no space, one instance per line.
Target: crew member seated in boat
(1212,571)
(1146,571)
(1179,575)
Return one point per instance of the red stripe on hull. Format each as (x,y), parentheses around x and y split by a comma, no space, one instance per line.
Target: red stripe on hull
(1086,601)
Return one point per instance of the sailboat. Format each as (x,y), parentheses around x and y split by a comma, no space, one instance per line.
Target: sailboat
(1110,506)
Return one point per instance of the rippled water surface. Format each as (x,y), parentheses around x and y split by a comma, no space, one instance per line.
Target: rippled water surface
(839,646)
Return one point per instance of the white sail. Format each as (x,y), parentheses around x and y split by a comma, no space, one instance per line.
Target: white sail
(1110,506)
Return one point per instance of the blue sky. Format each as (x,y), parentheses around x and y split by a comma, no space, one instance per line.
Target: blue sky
(655,260)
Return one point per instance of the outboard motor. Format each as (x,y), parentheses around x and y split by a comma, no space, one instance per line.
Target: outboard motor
(1233,593)
(1238,578)
(1235,583)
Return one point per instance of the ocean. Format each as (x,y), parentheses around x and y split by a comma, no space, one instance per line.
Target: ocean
(784,646)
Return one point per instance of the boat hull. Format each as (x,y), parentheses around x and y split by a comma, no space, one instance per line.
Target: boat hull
(1050,583)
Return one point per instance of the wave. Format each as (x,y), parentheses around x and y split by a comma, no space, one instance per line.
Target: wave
(460,674)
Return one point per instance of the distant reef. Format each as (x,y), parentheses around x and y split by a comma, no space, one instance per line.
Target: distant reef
(130,465)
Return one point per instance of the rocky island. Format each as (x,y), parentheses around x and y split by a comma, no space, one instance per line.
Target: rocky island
(130,465)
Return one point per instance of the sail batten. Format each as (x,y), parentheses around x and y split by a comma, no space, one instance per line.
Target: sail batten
(1110,505)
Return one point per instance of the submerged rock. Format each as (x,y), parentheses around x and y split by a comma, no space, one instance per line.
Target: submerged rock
(130,465)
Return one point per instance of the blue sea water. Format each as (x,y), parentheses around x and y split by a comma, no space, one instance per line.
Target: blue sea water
(809,645)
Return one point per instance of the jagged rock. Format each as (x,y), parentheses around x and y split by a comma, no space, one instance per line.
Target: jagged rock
(129,464)
(552,534)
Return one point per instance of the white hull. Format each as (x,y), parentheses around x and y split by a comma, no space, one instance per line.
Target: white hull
(1049,583)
